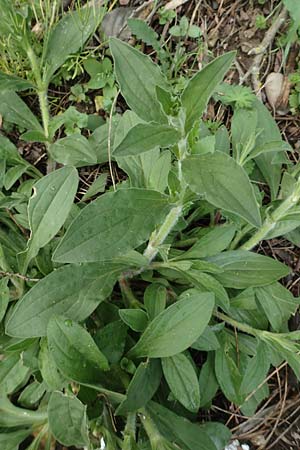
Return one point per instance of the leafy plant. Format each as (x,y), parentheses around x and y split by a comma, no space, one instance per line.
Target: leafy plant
(102,302)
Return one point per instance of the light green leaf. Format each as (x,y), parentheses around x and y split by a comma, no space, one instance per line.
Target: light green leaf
(278,304)
(74,150)
(200,88)
(225,184)
(136,319)
(13,83)
(242,269)
(49,206)
(73,291)
(186,320)
(112,225)
(11,416)
(138,77)
(144,137)
(142,387)
(32,394)
(182,380)
(68,420)
(212,243)
(243,132)
(15,110)
(69,36)
(75,352)
(144,32)
(139,167)
(158,178)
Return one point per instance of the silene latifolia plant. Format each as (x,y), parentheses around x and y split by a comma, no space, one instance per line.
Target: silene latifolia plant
(104,304)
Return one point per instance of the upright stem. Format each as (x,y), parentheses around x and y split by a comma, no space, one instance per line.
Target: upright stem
(273,218)
(159,237)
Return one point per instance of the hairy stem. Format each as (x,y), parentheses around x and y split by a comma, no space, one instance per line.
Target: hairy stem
(159,237)
(241,326)
(271,221)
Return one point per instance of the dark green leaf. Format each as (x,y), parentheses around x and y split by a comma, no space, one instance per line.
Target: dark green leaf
(68,420)
(242,269)
(256,370)
(74,351)
(224,183)
(200,88)
(142,387)
(69,36)
(182,380)
(12,373)
(144,137)
(73,291)
(50,206)
(155,298)
(74,150)
(207,341)
(11,441)
(13,83)
(14,110)
(177,327)
(112,225)
(207,381)
(111,340)
(138,77)
(48,368)
(136,319)
(278,304)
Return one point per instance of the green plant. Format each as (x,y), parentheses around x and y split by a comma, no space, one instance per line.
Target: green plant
(60,40)
(85,362)
(184,28)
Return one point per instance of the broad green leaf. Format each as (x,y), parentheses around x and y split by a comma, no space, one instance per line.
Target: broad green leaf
(142,387)
(69,36)
(158,178)
(74,150)
(13,374)
(155,298)
(182,380)
(138,77)
(212,243)
(201,87)
(179,430)
(269,132)
(144,137)
(11,441)
(243,133)
(68,420)
(73,291)
(51,376)
(186,320)
(75,352)
(224,183)
(273,146)
(112,225)
(278,304)
(111,340)
(99,139)
(49,206)
(136,319)
(207,381)
(243,269)
(13,83)
(15,110)
(256,370)
(139,167)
